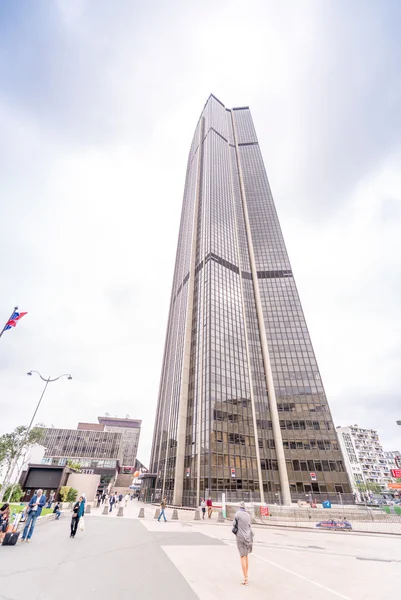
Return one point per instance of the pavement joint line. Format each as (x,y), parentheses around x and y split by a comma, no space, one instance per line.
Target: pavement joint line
(294,548)
(320,585)
(89,556)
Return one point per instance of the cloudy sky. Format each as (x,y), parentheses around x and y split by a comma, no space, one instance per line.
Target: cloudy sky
(98,104)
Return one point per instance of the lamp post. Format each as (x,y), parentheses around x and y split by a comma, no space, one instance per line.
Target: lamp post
(17,457)
(48,380)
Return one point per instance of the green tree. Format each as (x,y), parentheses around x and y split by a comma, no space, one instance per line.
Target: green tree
(13,446)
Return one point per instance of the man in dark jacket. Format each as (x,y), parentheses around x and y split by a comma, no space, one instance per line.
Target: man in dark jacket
(35,506)
(57,510)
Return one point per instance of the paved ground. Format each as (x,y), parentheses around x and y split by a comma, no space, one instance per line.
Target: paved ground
(129,558)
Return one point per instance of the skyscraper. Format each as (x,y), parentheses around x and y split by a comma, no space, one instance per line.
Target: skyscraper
(241,408)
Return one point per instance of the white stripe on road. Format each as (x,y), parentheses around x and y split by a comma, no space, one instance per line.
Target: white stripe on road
(302,577)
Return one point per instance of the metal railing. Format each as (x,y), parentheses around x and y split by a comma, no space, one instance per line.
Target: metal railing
(386,519)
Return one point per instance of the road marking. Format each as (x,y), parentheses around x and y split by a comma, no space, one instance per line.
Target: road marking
(302,577)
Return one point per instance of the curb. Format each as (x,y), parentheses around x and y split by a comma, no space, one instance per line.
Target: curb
(39,521)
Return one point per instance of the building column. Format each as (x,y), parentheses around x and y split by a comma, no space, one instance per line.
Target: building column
(282,467)
(186,359)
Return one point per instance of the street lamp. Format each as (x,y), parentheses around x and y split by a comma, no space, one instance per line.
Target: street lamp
(17,457)
(48,380)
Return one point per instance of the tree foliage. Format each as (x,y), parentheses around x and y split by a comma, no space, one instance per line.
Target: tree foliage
(13,446)
(74,466)
(369,486)
(17,494)
(72,495)
(64,492)
(18,441)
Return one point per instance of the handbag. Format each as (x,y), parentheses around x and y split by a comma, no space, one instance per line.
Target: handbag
(235,527)
(81,524)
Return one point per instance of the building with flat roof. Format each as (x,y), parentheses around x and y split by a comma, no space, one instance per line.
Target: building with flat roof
(364,458)
(130,430)
(99,448)
(242,409)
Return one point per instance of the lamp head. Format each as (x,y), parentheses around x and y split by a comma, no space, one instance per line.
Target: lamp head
(69,377)
(30,373)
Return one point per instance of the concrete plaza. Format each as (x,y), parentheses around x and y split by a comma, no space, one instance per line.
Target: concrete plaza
(127,558)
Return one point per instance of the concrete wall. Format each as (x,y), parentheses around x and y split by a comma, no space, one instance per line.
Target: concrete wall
(87,484)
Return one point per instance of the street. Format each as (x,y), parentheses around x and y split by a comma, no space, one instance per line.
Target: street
(127,557)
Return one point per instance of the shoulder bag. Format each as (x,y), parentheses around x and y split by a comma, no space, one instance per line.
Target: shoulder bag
(235,527)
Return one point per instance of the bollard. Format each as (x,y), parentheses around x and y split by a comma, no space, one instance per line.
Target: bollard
(87,509)
(120,512)
(220,517)
(141,513)
(105,510)
(157,513)
(197,515)
(175,515)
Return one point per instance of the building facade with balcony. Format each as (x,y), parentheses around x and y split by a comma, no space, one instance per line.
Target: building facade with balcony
(393,458)
(364,458)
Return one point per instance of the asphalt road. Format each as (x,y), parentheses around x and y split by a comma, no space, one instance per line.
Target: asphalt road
(121,558)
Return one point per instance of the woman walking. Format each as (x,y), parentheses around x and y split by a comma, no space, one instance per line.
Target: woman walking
(242,522)
(77,513)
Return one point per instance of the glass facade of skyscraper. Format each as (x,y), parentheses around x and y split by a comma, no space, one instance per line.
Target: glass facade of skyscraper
(242,408)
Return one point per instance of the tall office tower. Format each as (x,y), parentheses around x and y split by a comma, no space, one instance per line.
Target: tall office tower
(241,408)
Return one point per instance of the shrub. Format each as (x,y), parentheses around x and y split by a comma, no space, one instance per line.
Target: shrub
(64,491)
(16,495)
(72,495)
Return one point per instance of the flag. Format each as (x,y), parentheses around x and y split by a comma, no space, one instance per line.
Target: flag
(14,319)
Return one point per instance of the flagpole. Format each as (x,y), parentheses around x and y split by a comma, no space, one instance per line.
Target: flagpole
(11,316)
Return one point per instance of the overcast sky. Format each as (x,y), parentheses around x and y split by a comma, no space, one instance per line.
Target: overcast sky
(98,104)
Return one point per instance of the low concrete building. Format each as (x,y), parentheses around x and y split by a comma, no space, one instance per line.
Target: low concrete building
(50,478)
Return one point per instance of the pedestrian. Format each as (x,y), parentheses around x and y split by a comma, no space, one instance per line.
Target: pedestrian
(103,497)
(51,500)
(126,498)
(209,505)
(36,503)
(162,508)
(120,498)
(243,530)
(112,501)
(203,507)
(77,512)
(4,520)
(57,511)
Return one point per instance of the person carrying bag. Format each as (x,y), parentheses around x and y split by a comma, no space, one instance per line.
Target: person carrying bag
(77,514)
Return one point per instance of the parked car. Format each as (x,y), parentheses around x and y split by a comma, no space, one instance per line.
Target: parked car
(340,525)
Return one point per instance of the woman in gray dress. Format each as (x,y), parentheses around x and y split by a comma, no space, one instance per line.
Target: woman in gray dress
(244,538)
